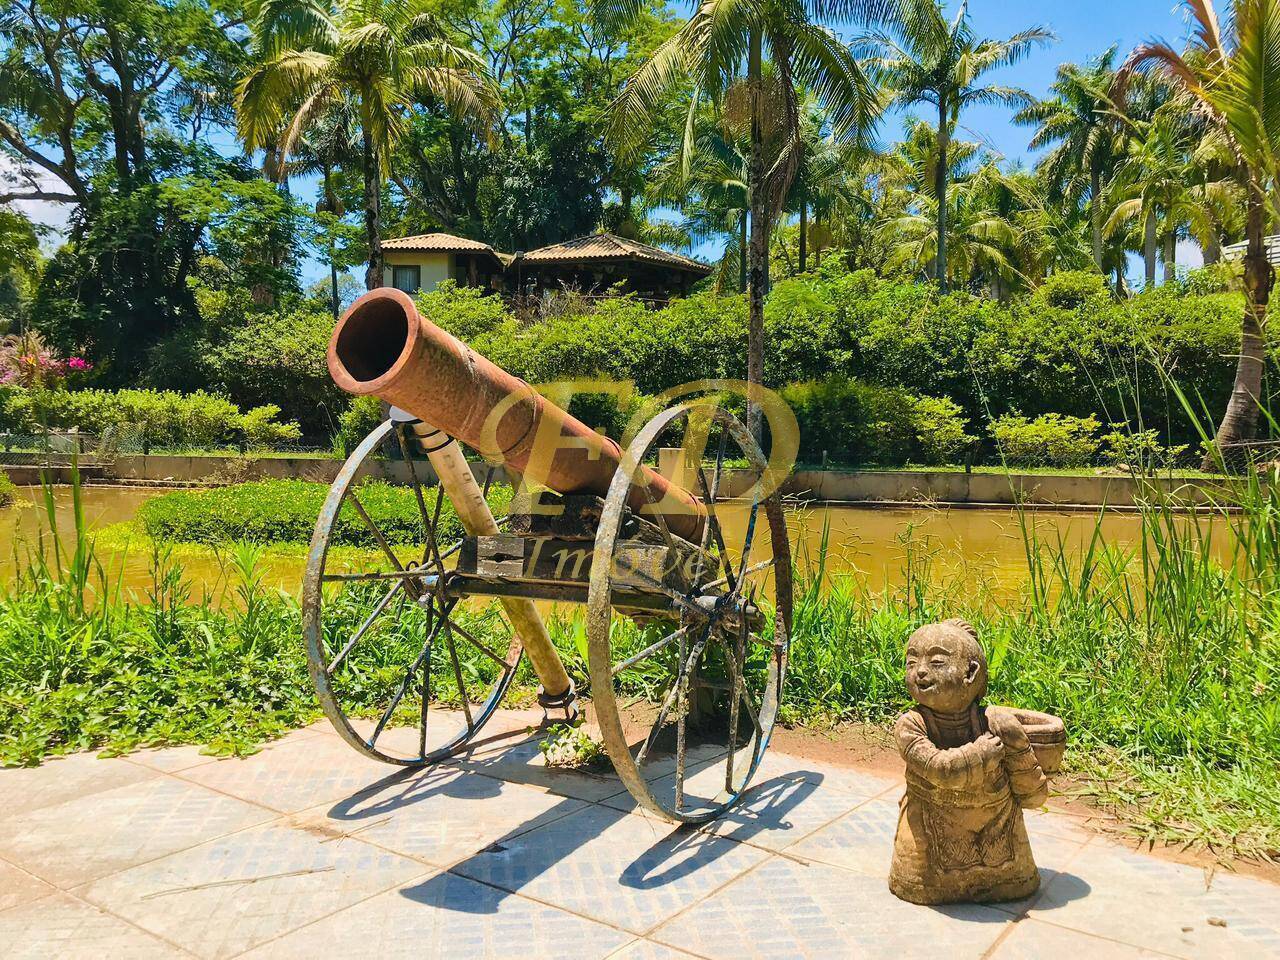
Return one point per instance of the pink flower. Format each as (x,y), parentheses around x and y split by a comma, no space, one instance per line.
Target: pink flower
(79,364)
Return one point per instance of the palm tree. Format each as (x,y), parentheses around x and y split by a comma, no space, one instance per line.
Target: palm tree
(723,44)
(1152,185)
(381,54)
(1231,74)
(327,146)
(983,239)
(923,58)
(1077,122)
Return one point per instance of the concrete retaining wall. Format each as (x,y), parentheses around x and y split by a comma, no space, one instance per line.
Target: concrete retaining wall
(849,486)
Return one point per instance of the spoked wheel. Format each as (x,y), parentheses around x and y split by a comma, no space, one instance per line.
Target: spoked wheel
(399,677)
(686,704)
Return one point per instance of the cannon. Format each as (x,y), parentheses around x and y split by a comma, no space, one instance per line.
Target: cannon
(688,594)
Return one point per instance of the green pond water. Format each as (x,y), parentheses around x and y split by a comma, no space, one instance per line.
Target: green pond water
(974,550)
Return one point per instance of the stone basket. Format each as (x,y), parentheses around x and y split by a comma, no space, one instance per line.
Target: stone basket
(1048,736)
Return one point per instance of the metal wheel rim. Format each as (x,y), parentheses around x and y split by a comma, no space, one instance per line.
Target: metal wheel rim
(313,625)
(600,612)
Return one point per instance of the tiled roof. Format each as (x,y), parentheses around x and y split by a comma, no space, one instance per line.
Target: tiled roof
(444,242)
(606,246)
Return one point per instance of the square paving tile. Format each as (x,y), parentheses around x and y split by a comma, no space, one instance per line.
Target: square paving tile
(861,841)
(89,837)
(226,896)
(62,926)
(63,778)
(1139,899)
(1033,940)
(443,815)
(782,805)
(17,886)
(171,759)
(623,869)
(295,774)
(648,950)
(519,760)
(446,916)
(786,909)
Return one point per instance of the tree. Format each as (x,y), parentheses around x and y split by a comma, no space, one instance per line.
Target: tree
(381,54)
(1077,123)
(1152,185)
(1231,73)
(923,58)
(722,49)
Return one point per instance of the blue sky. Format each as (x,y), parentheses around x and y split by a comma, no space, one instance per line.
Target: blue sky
(1084,29)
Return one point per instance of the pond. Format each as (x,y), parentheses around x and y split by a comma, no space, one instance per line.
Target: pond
(968,546)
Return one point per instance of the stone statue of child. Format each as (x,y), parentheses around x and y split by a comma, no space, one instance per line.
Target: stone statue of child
(970,770)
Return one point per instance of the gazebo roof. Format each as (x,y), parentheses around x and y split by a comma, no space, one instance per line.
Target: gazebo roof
(443,243)
(608,247)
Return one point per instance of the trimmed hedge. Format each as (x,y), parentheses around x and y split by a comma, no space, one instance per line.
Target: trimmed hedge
(164,418)
(285,511)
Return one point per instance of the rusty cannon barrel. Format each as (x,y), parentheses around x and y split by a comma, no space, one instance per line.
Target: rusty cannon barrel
(383,347)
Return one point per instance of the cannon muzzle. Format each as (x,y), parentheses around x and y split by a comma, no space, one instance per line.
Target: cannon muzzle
(383,347)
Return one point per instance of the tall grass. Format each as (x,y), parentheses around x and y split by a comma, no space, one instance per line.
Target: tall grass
(1162,657)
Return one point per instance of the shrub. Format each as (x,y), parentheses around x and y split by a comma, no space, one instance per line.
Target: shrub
(356,422)
(7,490)
(1141,450)
(162,418)
(285,511)
(854,422)
(939,428)
(1073,289)
(1050,440)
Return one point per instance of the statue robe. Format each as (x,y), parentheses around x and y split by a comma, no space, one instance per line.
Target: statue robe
(961,837)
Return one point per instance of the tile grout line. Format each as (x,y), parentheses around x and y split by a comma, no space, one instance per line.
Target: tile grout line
(652,931)
(107,911)
(431,872)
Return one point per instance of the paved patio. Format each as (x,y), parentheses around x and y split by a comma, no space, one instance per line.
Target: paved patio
(307,849)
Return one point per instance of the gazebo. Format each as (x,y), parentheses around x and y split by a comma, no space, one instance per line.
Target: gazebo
(595,263)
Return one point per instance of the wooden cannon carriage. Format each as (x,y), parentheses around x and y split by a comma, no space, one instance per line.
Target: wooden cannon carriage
(688,596)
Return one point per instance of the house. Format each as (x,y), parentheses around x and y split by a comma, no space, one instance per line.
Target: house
(421,262)
(594,264)
(590,265)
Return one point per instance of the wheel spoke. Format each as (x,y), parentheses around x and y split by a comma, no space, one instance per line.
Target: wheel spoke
(713,521)
(754,568)
(649,651)
(424,654)
(694,654)
(682,711)
(377,534)
(364,627)
(748,540)
(466,635)
(457,673)
(738,690)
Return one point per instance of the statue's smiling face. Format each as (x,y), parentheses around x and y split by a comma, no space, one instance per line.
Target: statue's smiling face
(942,673)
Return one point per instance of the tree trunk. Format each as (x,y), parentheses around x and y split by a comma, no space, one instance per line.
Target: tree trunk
(1149,245)
(1240,421)
(758,253)
(940,188)
(1212,250)
(372,212)
(804,239)
(1170,257)
(1095,214)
